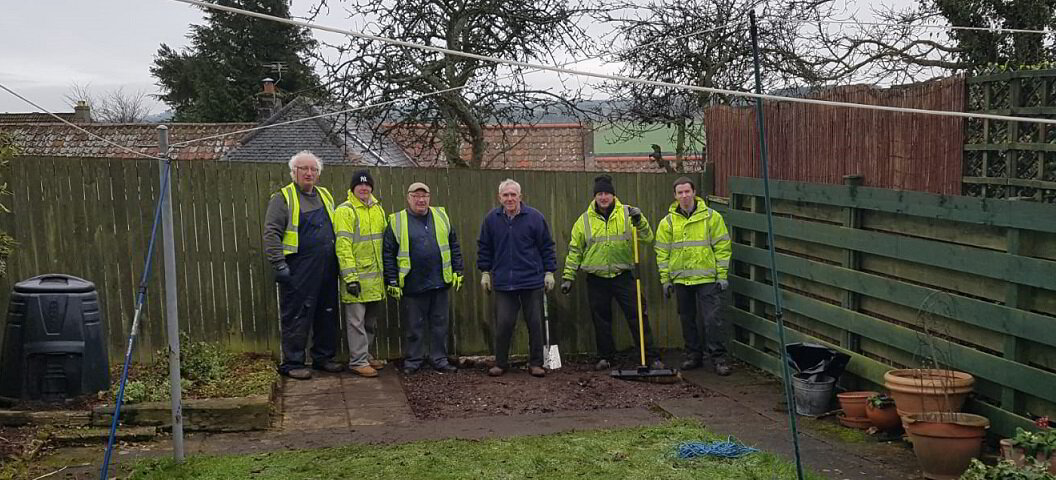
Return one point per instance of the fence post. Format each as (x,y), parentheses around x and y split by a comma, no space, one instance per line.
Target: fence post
(757,273)
(171,311)
(852,259)
(1011,400)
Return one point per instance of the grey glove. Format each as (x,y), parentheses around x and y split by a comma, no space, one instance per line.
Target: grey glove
(669,288)
(723,285)
(353,288)
(566,286)
(282,274)
(636,215)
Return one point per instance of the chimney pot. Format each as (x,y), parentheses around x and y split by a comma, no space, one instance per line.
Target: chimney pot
(269,86)
(82,113)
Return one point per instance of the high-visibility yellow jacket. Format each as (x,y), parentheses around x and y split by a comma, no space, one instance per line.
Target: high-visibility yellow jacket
(442,225)
(359,235)
(293,203)
(694,250)
(603,247)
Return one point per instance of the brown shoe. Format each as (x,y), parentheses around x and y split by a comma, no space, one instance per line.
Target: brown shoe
(537,372)
(364,371)
(376,364)
(495,371)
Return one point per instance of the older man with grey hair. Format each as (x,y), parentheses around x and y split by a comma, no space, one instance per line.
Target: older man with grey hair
(517,260)
(299,243)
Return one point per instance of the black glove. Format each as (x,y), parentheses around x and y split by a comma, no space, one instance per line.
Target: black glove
(566,286)
(668,290)
(352,288)
(282,274)
(636,215)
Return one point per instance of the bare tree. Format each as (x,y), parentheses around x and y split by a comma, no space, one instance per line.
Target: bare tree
(114,106)
(704,43)
(474,93)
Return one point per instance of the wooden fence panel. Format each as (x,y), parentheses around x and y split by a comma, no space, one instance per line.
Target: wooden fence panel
(92,218)
(923,287)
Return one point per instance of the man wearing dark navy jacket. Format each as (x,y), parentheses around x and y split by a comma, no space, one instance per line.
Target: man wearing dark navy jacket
(516,256)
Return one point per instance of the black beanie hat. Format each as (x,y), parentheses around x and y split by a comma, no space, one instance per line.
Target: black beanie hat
(362,176)
(603,183)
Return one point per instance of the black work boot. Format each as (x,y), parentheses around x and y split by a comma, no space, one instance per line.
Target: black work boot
(692,363)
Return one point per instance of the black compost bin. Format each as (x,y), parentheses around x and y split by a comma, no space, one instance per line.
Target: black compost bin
(54,346)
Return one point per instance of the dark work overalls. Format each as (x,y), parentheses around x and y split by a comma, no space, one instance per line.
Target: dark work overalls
(309,303)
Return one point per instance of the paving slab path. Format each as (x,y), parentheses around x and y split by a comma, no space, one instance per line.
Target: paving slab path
(340,409)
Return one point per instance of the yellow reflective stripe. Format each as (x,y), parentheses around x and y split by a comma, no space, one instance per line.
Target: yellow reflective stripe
(346,234)
(347,271)
(626,222)
(606,268)
(688,243)
(692,273)
(369,275)
(664,245)
(661,265)
(586,230)
(725,237)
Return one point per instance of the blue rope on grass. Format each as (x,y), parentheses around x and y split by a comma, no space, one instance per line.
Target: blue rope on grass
(727,449)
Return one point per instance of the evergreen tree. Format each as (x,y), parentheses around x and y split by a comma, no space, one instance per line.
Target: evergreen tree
(218,76)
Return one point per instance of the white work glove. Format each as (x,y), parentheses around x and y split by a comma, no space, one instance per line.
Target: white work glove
(485,281)
(548,281)
(723,285)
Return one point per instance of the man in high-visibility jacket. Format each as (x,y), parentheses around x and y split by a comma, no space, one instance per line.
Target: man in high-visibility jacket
(360,226)
(299,243)
(422,263)
(693,251)
(601,245)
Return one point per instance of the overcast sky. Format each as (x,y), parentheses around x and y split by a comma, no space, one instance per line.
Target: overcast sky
(51,44)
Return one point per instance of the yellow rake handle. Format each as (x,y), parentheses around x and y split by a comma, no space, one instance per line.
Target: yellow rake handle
(638,293)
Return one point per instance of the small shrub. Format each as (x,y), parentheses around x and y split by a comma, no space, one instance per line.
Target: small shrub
(1007,470)
(881,401)
(1033,443)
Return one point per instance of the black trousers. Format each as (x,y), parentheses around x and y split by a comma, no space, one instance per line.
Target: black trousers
(507,304)
(425,319)
(601,292)
(308,304)
(702,326)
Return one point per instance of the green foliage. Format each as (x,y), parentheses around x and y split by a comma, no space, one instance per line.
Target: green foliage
(1007,470)
(206,371)
(1042,441)
(982,50)
(881,401)
(643,452)
(217,78)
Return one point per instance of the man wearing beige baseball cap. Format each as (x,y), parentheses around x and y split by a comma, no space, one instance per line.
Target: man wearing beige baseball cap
(422,262)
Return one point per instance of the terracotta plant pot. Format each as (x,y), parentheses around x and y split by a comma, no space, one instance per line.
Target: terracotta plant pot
(885,418)
(920,390)
(945,443)
(853,403)
(1019,457)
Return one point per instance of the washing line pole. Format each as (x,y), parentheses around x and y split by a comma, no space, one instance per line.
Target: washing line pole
(789,396)
(172,319)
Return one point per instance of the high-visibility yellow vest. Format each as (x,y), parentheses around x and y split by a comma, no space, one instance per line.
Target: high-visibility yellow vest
(602,246)
(359,243)
(442,225)
(694,250)
(293,206)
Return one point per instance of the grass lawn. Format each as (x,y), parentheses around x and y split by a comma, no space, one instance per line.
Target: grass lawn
(633,453)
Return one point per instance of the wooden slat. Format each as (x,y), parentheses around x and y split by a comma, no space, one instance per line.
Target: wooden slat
(999,370)
(991,316)
(1004,213)
(1024,270)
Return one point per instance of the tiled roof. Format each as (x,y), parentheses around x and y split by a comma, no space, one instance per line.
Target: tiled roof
(61,140)
(34,117)
(335,139)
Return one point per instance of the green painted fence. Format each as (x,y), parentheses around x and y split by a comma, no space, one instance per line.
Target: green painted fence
(898,279)
(91,218)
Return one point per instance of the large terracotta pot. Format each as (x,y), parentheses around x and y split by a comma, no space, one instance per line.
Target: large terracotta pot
(945,443)
(919,390)
(885,418)
(853,403)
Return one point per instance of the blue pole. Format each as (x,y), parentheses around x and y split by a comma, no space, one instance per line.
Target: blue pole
(778,314)
(141,298)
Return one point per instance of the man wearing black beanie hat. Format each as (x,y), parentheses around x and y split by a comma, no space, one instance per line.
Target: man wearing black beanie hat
(600,245)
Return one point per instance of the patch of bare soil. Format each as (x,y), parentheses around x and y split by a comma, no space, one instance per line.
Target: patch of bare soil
(472,393)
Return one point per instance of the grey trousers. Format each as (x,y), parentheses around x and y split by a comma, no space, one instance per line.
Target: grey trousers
(702,325)
(361,321)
